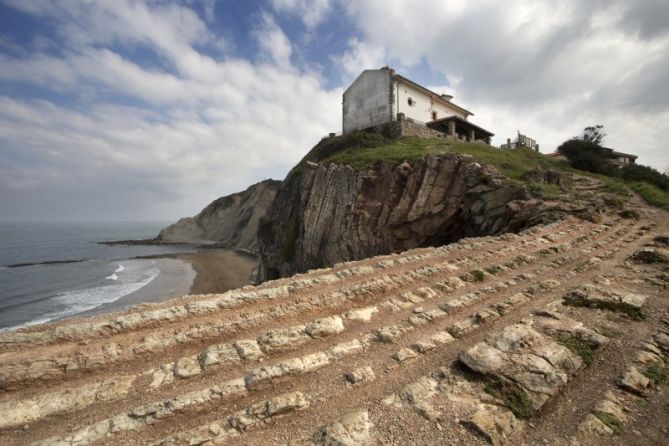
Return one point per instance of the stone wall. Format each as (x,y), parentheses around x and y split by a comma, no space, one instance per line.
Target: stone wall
(408,127)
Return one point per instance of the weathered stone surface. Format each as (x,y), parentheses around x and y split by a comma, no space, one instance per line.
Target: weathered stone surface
(520,354)
(283,339)
(496,423)
(558,325)
(388,334)
(596,294)
(341,214)
(423,346)
(328,326)
(187,367)
(361,314)
(231,220)
(346,348)
(404,354)
(279,405)
(352,429)
(17,412)
(218,354)
(594,425)
(418,397)
(441,337)
(298,365)
(361,374)
(248,349)
(162,375)
(634,381)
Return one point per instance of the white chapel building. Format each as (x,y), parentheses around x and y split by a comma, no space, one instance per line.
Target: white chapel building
(379,97)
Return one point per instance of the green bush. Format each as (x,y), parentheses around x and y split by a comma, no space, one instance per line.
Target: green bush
(588,156)
(638,172)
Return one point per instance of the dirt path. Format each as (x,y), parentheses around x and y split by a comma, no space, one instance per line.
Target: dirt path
(386,350)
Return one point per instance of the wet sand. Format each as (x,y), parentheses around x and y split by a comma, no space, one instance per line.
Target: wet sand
(203,272)
(219,270)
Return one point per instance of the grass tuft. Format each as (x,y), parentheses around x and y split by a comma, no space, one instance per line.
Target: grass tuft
(478,275)
(629,214)
(494,269)
(649,257)
(578,346)
(655,373)
(612,422)
(514,398)
(631,312)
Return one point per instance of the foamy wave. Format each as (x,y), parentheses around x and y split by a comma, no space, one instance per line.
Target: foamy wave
(114,276)
(79,301)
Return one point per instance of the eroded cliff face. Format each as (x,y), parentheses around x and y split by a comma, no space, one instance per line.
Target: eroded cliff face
(231,221)
(324,214)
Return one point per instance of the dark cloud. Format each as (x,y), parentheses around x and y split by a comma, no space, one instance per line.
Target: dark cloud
(649,19)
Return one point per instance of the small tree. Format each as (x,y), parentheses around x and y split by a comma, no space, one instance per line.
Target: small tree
(594,134)
(585,152)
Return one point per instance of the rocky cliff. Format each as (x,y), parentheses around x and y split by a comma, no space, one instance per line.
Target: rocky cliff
(230,221)
(328,213)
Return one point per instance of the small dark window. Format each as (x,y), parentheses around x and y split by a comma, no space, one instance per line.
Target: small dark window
(434,115)
(410,102)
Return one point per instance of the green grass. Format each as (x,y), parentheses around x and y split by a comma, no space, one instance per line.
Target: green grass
(478,275)
(631,312)
(579,347)
(651,194)
(514,398)
(649,257)
(612,422)
(361,150)
(655,373)
(513,163)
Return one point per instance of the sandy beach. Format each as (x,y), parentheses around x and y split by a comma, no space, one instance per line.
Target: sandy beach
(219,270)
(203,272)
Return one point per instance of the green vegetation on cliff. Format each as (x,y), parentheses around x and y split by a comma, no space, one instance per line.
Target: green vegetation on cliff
(361,150)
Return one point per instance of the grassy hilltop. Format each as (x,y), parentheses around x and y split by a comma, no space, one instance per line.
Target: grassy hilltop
(361,150)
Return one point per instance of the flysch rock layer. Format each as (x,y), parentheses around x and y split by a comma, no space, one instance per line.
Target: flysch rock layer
(469,343)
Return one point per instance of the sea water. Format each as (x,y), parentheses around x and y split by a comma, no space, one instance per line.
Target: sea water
(49,271)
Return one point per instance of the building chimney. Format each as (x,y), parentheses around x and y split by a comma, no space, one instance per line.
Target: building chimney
(446,97)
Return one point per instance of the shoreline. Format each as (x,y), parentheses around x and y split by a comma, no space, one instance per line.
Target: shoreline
(208,271)
(217,270)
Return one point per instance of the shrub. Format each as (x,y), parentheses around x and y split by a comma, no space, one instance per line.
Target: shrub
(637,172)
(588,156)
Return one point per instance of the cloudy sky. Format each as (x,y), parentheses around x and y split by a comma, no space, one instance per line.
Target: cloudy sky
(148,110)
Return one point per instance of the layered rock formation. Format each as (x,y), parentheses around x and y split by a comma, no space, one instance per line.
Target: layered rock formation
(324,214)
(498,340)
(230,221)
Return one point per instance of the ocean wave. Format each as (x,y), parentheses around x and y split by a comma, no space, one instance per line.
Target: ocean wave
(79,301)
(114,275)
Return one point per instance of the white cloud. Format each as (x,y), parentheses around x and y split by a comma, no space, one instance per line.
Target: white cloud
(312,12)
(274,42)
(184,137)
(361,56)
(546,68)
